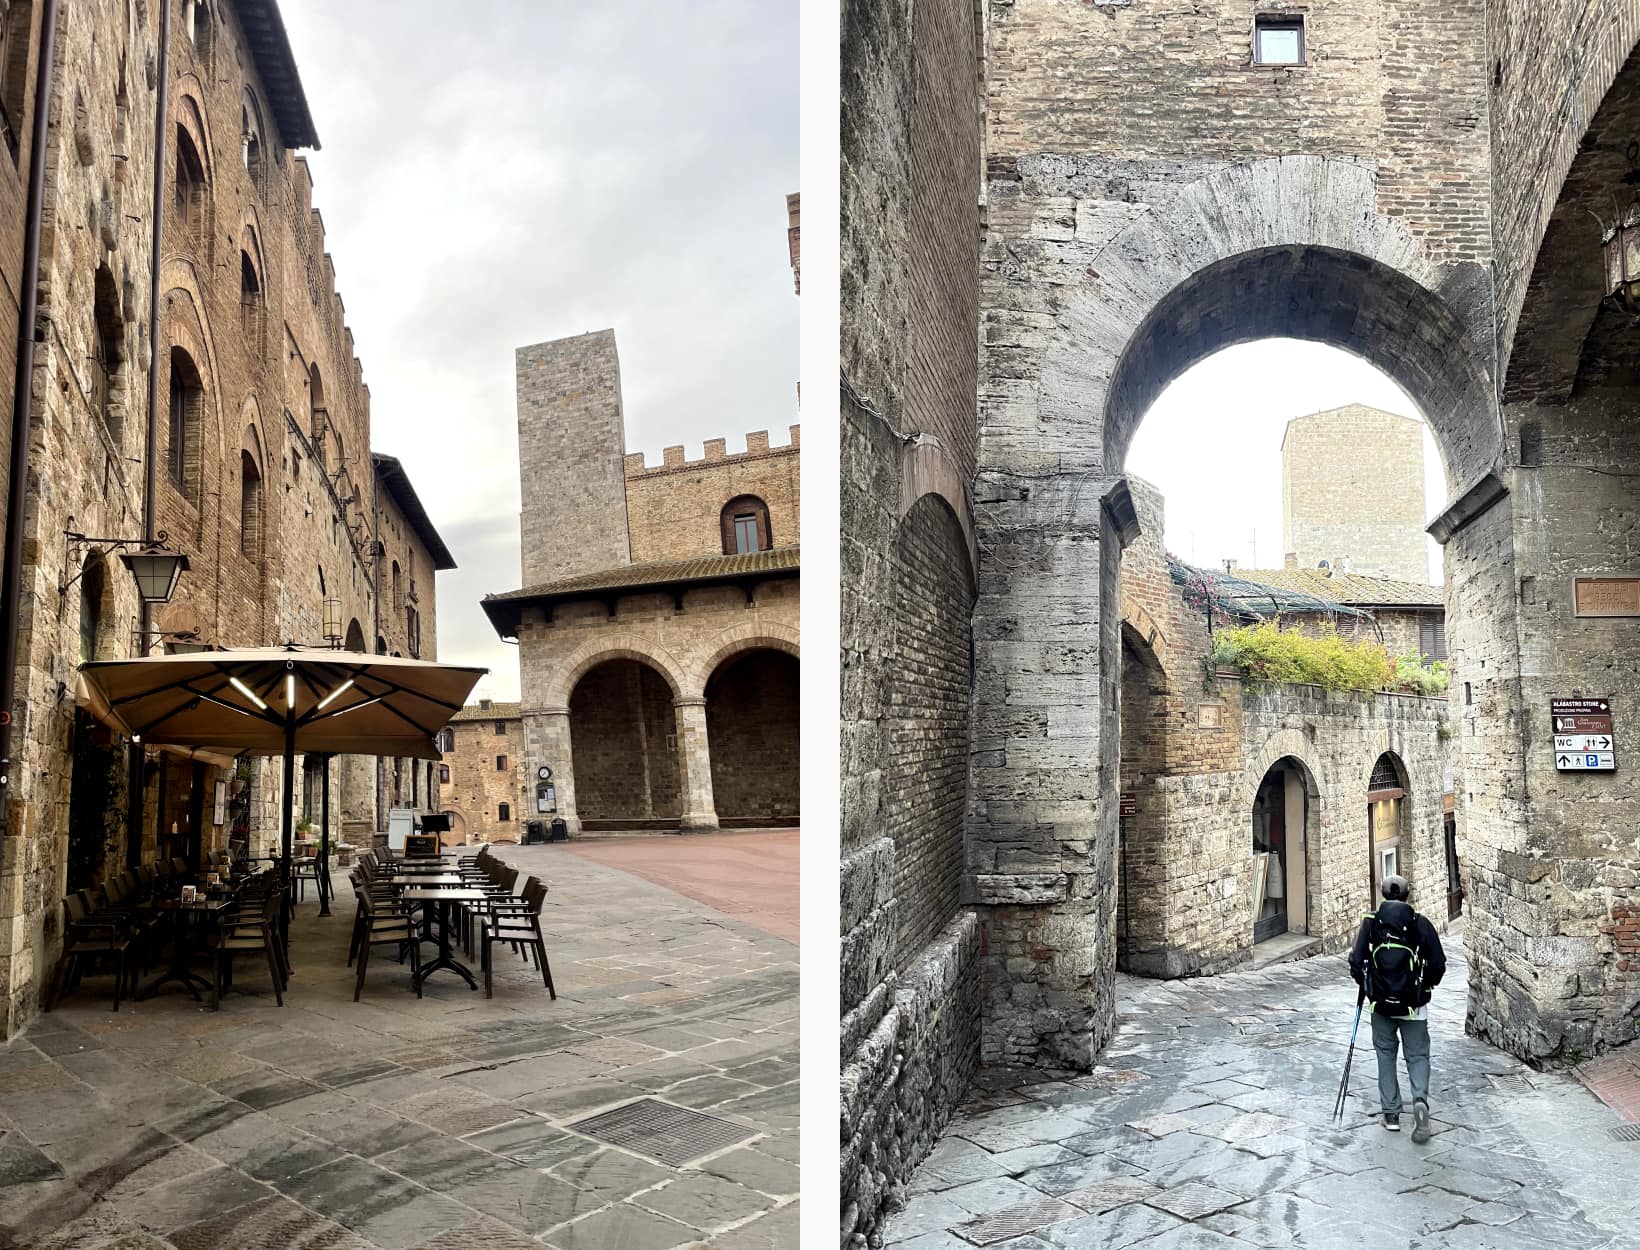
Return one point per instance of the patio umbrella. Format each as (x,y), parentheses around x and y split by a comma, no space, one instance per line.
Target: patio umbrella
(280,701)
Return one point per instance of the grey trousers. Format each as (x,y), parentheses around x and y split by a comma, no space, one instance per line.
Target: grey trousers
(1413,1036)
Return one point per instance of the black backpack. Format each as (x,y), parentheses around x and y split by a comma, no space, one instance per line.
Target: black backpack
(1395,961)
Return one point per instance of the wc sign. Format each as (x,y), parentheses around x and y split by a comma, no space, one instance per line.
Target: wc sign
(1584,741)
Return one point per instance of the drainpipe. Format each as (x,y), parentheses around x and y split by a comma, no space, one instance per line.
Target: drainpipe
(150,457)
(22,403)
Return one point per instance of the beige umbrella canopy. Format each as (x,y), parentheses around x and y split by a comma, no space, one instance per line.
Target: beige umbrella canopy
(279,701)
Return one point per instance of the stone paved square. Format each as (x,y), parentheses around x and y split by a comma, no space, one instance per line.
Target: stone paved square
(398,1123)
(1214,1142)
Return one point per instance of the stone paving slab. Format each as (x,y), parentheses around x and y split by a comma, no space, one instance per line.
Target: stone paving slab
(440,1123)
(1208,1126)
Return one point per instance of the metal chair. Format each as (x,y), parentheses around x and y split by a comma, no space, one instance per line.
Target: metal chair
(85,938)
(385,928)
(517,923)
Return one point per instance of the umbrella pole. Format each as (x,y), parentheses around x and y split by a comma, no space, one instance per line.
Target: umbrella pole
(323,878)
(290,803)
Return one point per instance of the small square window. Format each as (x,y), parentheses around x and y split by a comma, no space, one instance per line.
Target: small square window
(501,763)
(1278,41)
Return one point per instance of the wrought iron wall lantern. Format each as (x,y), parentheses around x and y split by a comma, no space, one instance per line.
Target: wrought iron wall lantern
(156,568)
(333,623)
(1620,245)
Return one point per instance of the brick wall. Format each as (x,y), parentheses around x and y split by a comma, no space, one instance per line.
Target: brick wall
(674,510)
(1352,493)
(911,156)
(752,722)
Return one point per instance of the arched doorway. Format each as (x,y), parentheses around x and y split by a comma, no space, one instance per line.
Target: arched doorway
(1389,846)
(752,733)
(623,738)
(1141,880)
(1281,847)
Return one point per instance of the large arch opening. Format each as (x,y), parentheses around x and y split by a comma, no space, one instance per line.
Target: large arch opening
(1391,848)
(752,733)
(1262,399)
(623,739)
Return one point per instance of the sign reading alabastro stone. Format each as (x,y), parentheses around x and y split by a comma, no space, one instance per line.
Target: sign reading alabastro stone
(1606,596)
(1584,740)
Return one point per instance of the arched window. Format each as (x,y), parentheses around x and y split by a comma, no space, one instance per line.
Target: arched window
(91,600)
(250,131)
(504,813)
(250,507)
(107,393)
(250,297)
(15,25)
(197,18)
(318,415)
(190,185)
(186,417)
(398,591)
(746,526)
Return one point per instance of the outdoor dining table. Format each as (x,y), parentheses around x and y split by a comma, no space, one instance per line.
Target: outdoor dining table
(186,921)
(442,898)
(427,879)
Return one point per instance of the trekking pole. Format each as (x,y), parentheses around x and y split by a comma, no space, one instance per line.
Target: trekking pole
(1349,1060)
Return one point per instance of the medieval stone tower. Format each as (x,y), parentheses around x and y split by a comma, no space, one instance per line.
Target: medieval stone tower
(1352,493)
(571,441)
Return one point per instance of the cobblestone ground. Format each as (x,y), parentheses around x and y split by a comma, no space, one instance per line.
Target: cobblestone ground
(1209,1126)
(441,1124)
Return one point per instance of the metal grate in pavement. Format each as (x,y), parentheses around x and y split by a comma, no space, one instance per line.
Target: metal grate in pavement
(660,1131)
(1108,1195)
(1625,1132)
(1509,1082)
(1011,1222)
(1193,1200)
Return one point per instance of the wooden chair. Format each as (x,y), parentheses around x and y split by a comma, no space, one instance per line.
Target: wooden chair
(87,937)
(517,923)
(385,928)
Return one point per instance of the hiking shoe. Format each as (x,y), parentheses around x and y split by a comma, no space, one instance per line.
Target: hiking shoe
(1392,1121)
(1420,1121)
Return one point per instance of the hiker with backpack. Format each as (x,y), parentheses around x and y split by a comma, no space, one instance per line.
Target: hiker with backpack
(1397,960)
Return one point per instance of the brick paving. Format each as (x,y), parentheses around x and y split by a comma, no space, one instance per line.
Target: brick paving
(433,1124)
(1209,1127)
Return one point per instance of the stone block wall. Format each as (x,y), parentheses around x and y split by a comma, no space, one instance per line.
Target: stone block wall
(1352,493)
(570,440)
(273,503)
(674,510)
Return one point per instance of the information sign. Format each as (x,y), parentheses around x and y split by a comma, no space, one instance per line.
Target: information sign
(1584,740)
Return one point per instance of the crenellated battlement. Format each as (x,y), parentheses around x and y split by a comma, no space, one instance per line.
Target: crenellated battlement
(672,458)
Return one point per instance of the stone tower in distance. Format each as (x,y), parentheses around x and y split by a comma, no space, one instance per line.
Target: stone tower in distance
(1352,493)
(571,443)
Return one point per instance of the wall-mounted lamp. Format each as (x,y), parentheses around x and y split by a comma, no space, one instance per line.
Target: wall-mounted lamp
(156,568)
(333,623)
(1620,246)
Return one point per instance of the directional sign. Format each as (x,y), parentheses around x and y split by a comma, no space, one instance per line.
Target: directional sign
(1586,761)
(1128,805)
(1583,742)
(1584,737)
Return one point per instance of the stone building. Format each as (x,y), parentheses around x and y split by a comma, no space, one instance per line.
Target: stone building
(241,403)
(1352,493)
(658,621)
(1099,196)
(1255,821)
(483,788)
(1409,618)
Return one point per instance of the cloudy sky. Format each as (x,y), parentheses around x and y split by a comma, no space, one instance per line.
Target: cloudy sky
(504,172)
(1224,496)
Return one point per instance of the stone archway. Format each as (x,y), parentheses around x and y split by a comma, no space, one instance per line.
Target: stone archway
(623,739)
(1292,247)
(752,734)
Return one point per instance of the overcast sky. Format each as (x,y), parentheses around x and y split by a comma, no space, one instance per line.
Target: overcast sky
(504,172)
(1223,494)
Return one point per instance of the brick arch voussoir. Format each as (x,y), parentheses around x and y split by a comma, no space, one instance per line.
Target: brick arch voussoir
(725,646)
(615,647)
(196,121)
(1284,744)
(1146,628)
(926,468)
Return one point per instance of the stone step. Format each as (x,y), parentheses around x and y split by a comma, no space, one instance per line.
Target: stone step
(1284,949)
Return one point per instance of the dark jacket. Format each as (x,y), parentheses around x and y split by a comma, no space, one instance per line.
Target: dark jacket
(1395,912)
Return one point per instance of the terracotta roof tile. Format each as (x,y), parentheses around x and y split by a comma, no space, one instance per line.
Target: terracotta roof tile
(1354,589)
